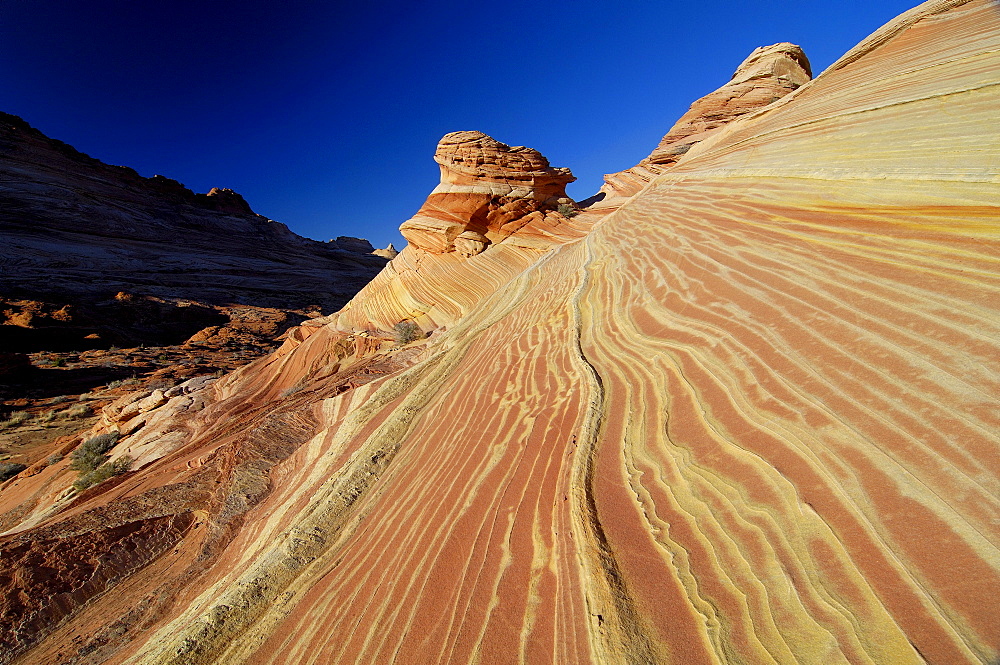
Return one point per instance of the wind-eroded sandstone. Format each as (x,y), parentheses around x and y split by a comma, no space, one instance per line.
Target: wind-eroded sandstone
(496,210)
(487,191)
(767,75)
(749,417)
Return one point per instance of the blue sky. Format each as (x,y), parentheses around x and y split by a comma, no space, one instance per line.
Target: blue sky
(325,115)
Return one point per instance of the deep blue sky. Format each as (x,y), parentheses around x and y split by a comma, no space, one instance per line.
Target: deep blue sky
(325,115)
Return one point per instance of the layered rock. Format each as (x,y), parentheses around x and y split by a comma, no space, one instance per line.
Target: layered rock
(767,75)
(487,189)
(749,418)
(495,212)
(75,230)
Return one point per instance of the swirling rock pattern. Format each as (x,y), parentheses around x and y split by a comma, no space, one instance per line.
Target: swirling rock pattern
(750,417)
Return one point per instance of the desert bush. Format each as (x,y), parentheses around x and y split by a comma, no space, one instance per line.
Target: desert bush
(294,389)
(566,210)
(103,472)
(15,418)
(406,332)
(77,411)
(46,417)
(89,455)
(10,469)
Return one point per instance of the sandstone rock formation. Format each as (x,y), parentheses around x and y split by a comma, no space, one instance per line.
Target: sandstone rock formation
(487,190)
(495,212)
(389,252)
(767,75)
(74,229)
(748,417)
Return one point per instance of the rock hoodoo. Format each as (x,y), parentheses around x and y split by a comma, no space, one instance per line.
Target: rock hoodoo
(497,203)
(767,75)
(487,189)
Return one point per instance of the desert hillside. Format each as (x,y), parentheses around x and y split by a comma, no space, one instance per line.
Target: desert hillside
(77,229)
(743,409)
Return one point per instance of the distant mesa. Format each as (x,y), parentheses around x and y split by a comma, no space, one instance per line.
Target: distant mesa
(768,74)
(488,190)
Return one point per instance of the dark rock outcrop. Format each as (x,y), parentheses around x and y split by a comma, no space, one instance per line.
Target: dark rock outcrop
(76,229)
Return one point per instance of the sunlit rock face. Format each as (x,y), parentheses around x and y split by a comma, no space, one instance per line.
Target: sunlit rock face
(749,417)
(495,212)
(486,188)
(767,75)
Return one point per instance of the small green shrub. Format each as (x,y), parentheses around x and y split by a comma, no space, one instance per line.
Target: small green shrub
(77,411)
(103,472)
(406,332)
(15,419)
(10,469)
(566,210)
(46,417)
(293,389)
(89,455)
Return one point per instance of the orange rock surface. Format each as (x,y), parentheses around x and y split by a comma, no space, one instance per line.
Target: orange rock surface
(748,417)
(488,191)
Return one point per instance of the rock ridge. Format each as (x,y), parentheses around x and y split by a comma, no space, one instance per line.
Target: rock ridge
(765,76)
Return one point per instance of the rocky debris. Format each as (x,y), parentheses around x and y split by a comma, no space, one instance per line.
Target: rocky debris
(58,392)
(74,229)
(486,188)
(13,363)
(768,74)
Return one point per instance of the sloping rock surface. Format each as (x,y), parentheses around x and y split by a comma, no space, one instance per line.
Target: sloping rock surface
(750,417)
(75,228)
(767,75)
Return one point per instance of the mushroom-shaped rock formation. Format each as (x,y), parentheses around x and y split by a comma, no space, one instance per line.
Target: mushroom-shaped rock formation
(496,203)
(767,75)
(485,186)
